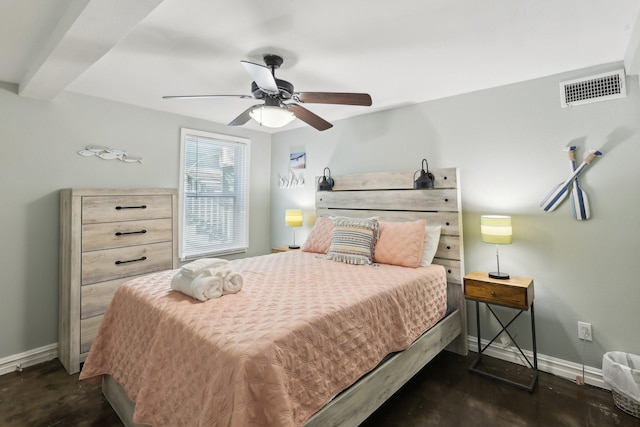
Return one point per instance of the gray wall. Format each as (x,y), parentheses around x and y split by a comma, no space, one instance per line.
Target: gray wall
(39,142)
(508,143)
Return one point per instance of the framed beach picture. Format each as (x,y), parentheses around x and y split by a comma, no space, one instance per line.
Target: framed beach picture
(298,160)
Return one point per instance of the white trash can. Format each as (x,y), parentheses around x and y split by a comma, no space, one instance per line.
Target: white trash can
(622,372)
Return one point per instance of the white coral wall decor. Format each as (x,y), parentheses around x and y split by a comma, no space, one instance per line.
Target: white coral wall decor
(291,180)
(106,153)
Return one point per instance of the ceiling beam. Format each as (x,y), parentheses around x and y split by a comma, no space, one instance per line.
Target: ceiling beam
(632,54)
(85,33)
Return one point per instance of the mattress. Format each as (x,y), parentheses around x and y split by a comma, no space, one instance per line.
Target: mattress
(302,329)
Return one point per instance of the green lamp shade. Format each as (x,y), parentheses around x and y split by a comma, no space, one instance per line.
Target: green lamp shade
(293,217)
(496,229)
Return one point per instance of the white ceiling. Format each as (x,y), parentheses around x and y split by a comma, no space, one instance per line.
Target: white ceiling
(404,52)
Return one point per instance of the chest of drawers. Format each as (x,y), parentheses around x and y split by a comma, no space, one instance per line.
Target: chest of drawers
(107,237)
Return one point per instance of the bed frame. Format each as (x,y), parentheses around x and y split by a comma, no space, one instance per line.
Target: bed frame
(388,196)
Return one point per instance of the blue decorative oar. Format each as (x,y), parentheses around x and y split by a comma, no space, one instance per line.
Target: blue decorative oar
(560,191)
(579,199)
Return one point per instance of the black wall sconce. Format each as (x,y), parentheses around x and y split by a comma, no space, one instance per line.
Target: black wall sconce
(325,183)
(425,180)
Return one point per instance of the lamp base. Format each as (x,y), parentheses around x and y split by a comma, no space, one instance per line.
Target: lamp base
(294,247)
(499,275)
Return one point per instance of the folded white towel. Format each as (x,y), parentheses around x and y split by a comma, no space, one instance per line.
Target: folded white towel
(182,283)
(194,268)
(203,288)
(211,285)
(232,283)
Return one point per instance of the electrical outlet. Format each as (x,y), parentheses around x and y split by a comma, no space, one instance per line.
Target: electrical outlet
(584,331)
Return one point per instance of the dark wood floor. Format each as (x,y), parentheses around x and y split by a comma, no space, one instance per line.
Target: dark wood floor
(443,394)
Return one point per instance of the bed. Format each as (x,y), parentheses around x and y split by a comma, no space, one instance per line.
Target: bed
(293,368)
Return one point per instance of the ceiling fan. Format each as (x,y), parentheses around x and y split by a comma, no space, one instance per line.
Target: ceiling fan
(281,102)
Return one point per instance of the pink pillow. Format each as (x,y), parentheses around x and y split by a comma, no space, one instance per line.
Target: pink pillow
(400,243)
(319,239)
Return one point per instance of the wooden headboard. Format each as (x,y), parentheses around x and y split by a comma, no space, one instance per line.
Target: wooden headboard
(390,196)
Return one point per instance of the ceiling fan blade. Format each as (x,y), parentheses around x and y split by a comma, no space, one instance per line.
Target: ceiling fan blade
(262,76)
(334,98)
(242,118)
(206,96)
(308,117)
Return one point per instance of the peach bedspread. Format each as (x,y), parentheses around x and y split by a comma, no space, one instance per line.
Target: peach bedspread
(302,329)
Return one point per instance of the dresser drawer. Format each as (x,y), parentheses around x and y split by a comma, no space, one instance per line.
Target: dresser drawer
(109,264)
(88,331)
(124,208)
(95,298)
(509,293)
(110,235)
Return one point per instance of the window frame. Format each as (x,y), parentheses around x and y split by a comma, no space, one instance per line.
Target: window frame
(184,134)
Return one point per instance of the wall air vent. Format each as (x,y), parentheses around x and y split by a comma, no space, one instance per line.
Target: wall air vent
(599,87)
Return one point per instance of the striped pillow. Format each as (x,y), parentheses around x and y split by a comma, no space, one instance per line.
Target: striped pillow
(353,240)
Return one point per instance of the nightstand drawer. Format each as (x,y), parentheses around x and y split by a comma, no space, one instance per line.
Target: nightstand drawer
(279,249)
(515,292)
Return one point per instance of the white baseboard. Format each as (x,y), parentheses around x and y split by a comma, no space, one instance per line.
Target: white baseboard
(559,367)
(28,358)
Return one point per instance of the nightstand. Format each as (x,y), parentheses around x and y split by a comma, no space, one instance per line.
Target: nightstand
(282,249)
(515,293)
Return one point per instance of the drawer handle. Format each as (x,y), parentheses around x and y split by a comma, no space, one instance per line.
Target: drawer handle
(493,293)
(119,233)
(131,207)
(131,260)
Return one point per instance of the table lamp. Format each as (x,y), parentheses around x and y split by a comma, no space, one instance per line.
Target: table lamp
(293,218)
(496,229)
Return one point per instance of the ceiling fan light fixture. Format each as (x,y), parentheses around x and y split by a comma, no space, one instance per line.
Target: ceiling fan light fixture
(272,116)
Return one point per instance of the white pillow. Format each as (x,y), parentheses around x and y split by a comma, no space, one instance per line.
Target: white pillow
(431,240)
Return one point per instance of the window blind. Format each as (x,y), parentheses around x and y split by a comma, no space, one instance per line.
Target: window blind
(213,194)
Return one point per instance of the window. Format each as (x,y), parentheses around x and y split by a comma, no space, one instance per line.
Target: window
(214,173)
